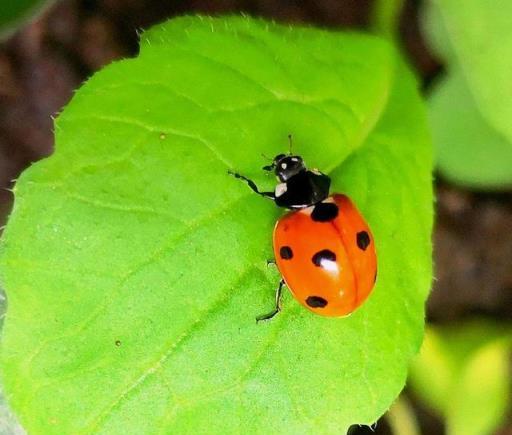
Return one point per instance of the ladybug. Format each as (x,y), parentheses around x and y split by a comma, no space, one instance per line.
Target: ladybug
(323,248)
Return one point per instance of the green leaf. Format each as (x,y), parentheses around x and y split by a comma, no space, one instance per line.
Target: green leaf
(475,39)
(469,151)
(135,265)
(8,423)
(461,369)
(385,18)
(432,26)
(14,11)
(479,36)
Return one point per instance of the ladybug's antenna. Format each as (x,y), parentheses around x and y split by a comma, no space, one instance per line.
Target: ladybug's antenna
(266,157)
(290,144)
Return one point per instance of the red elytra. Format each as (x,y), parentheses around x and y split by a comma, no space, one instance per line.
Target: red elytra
(329,265)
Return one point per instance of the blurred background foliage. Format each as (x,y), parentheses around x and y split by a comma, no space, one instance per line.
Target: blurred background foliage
(13,13)
(471,104)
(462,374)
(462,54)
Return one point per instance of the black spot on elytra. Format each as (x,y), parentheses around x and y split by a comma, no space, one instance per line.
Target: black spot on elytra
(286,253)
(324,212)
(316,302)
(322,255)
(375,277)
(363,240)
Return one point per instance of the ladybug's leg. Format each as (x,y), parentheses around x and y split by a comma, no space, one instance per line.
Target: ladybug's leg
(279,293)
(271,262)
(252,185)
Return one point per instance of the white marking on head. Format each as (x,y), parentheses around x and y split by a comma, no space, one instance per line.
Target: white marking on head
(284,165)
(307,210)
(280,189)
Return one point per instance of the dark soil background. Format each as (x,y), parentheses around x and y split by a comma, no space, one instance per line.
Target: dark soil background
(44,62)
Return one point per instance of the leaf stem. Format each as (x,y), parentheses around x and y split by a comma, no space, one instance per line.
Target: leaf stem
(385,17)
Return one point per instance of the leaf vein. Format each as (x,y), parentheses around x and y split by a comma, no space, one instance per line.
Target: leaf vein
(169,350)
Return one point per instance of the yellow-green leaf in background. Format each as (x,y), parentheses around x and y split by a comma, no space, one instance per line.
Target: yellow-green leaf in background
(463,373)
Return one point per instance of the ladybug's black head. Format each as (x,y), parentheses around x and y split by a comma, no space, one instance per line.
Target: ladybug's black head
(286,166)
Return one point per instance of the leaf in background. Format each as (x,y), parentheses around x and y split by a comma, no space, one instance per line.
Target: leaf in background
(463,374)
(135,266)
(469,151)
(475,39)
(14,11)
(432,359)
(433,29)
(479,36)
